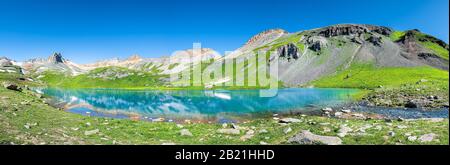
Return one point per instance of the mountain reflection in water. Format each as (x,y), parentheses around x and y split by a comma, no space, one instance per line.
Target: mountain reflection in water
(194,103)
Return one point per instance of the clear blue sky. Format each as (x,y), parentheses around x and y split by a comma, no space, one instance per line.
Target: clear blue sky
(87,31)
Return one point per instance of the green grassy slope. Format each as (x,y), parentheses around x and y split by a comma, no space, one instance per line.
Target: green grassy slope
(92,80)
(393,86)
(369,77)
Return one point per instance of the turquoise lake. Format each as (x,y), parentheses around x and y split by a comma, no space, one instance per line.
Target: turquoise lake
(194,104)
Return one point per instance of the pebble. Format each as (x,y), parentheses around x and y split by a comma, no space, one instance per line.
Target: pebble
(412,138)
(185,132)
(391,133)
(287,130)
(263,131)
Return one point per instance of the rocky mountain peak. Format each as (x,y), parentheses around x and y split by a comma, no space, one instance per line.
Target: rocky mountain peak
(265,34)
(134,58)
(5,61)
(56,58)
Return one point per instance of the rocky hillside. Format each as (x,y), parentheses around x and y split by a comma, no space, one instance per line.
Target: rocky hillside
(312,54)
(7,66)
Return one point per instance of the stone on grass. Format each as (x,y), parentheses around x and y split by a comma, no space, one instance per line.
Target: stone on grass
(287,130)
(11,86)
(91,132)
(289,120)
(427,137)
(263,131)
(185,132)
(229,131)
(412,138)
(391,133)
(306,137)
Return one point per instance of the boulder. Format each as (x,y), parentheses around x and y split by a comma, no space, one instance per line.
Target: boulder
(289,51)
(306,137)
(327,109)
(289,120)
(411,104)
(11,86)
(427,137)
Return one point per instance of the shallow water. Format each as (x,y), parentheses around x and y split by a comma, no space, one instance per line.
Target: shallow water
(406,113)
(194,104)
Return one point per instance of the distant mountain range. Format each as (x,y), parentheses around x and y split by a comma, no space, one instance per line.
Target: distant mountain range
(302,56)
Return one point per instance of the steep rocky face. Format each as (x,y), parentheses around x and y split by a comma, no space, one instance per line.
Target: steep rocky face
(351,29)
(56,58)
(289,51)
(375,40)
(414,50)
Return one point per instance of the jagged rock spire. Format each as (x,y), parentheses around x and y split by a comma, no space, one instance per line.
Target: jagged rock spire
(56,58)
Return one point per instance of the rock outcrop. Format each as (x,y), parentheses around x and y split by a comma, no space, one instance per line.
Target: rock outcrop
(306,137)
(289,51)
(5,62)
(352,29)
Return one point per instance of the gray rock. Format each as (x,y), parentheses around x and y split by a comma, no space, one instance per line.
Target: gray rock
(91,132)
(427,137)
(289,51)
(346,110)
(229,131)
(287,130)
(306,137)
(263,131)
(412,138)
(391,133)
(411,104)
(344,130)
(289,120)
(185,132)
(11,86)
(234,126)
(337,114)
(327,110)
